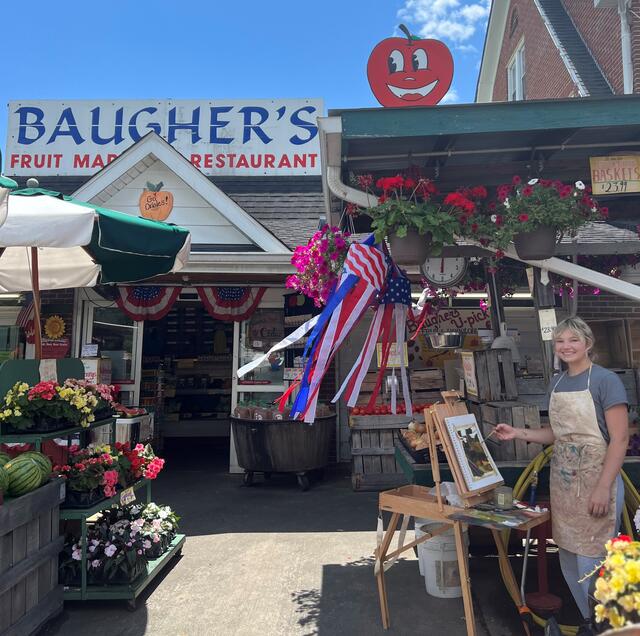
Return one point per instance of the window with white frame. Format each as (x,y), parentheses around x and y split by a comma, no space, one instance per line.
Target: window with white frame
(516,75)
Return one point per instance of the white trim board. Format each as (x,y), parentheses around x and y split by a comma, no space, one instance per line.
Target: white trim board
(153,147)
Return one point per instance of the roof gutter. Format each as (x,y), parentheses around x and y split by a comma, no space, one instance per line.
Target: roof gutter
(625,41)
(331,146)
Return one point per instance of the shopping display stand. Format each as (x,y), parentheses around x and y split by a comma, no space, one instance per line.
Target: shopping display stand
(418,501)
(28,370)
(130,591)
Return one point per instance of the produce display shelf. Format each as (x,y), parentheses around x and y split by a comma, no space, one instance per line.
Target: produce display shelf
(131,591)
(37,438)
(83,513)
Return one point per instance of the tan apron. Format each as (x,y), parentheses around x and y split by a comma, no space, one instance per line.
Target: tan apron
(578,455)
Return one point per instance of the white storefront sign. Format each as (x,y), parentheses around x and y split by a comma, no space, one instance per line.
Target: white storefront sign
(219,137)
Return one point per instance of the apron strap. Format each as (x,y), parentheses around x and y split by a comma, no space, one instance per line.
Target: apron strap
(558,382)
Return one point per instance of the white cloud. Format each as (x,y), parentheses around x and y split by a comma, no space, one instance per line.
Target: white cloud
(467,48)
(451,97)
(454,20)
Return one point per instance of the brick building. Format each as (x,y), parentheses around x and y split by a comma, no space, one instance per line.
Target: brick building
(552,49)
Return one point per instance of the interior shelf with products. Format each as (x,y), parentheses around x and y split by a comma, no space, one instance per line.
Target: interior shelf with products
(189,355)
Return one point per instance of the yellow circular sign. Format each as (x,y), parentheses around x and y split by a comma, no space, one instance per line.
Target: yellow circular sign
(54,327)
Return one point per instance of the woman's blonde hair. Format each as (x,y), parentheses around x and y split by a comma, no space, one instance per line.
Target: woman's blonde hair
(579,327)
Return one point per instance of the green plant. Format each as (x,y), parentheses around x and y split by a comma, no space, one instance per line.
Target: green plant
(523,207)
(407,204)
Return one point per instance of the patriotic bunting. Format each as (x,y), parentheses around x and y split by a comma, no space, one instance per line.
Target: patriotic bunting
(231,303)
(388,326)
(146,303)
(369,278)
(365,270)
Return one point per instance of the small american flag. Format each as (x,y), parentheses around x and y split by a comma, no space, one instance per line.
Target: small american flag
(26,312)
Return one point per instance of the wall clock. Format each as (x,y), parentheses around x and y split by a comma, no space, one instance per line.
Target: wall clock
(444,272)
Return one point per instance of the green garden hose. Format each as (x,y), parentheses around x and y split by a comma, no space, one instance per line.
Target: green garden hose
(632,503)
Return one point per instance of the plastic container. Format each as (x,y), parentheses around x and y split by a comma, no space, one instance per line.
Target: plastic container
(440,562)
(418,523)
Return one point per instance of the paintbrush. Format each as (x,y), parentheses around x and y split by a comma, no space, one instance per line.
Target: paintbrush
(490,434)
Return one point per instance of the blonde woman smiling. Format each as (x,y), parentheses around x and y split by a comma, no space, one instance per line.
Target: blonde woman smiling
(590,434)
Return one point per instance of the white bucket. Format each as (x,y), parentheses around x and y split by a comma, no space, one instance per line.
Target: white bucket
(418,523)
(439,562)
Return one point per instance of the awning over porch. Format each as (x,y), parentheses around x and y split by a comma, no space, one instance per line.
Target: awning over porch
(470,144)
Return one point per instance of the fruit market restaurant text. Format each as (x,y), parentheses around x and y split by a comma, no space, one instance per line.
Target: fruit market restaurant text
(244,178)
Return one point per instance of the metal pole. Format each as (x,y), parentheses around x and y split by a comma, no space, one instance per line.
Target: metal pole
(543,298)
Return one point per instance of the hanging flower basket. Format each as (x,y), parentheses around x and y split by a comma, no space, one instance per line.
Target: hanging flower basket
(412,249)
(536,245)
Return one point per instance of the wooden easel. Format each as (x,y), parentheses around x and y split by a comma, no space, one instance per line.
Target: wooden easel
(417,501)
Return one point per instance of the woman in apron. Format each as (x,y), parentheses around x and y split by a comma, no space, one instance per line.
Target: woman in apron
(590,434)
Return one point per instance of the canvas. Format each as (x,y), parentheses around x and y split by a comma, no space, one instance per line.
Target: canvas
(476,464)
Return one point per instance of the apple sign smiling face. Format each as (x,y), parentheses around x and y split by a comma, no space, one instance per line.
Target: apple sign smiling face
(410,71)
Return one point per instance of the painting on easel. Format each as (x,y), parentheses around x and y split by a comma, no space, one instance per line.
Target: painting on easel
(476,464)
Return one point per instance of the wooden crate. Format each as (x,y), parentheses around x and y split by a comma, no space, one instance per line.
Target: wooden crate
(495,376)
(29,545)
(628,377)
(426,379)
(532,390)
(518,415)
(373,462)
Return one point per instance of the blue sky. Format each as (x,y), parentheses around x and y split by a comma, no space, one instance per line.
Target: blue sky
(212,49)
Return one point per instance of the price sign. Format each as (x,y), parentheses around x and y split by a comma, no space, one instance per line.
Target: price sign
(394,355)
(615,175)
(127,497)
(547,323)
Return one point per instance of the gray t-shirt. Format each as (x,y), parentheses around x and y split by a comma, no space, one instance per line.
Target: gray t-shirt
(606,389)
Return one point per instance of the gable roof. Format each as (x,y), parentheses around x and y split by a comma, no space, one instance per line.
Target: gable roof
(117,174)
(576,56)
(574,52)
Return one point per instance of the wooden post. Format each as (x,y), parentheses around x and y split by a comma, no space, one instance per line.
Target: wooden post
(465,581)
(544,298)
(35,284)
(381,553)
(496,308)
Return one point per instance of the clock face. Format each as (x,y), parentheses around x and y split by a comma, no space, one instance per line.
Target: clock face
(444,272)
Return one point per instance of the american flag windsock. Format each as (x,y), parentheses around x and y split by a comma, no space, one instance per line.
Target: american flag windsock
(365,270)
(387,326)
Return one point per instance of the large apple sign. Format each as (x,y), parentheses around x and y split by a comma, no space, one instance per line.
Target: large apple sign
(410,71)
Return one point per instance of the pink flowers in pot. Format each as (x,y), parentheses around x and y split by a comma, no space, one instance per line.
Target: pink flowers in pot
(319,264)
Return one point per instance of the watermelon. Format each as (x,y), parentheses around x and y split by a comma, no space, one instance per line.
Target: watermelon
(4,480)
(4,458)
(43,461)
(25,475)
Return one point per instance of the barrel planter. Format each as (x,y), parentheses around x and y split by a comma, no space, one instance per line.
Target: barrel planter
(282,446)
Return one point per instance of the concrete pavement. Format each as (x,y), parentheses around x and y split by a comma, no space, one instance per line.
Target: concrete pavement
(271,560)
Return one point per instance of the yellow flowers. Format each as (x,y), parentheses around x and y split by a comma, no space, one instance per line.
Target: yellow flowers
(617,585)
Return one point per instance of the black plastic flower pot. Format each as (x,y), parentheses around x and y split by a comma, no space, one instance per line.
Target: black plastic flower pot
(83,499)
(412,249)
(536,245)
(50,424)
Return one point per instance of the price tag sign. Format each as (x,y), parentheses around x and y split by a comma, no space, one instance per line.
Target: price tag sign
(547,323)
(127,497)
(89,350)
(615,174)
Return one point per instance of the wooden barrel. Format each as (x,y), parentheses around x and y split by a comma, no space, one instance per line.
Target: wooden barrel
(282,446)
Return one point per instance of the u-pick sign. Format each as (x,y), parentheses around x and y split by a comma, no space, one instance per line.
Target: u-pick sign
(410,71)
